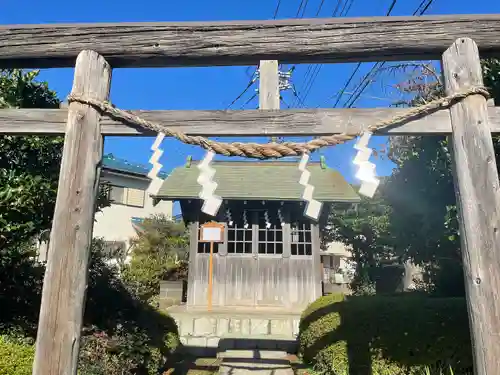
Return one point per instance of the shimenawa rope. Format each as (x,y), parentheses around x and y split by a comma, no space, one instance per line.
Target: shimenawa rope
(273,150)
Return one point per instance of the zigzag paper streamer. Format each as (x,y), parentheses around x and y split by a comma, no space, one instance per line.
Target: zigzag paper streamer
(211,202)
(313,207)
(229,217)
(366,170)
(156,182)
(245,220)
(280,217)
(266,218)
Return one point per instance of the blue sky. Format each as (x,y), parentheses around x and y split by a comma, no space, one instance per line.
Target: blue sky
(215,88)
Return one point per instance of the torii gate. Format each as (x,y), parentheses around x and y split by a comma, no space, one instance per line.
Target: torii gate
(98,47)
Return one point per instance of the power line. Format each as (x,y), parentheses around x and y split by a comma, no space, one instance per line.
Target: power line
(254,76)
(313,70)
(277,9)
(319,8)
(250,83)
(376,68)
(317,68)
(358,66)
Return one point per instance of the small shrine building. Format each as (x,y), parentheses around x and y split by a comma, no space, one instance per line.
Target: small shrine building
(270,256)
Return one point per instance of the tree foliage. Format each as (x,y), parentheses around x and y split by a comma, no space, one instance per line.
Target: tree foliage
(122,334)
(416,215)
(29,165)
(159,252)
(364,229)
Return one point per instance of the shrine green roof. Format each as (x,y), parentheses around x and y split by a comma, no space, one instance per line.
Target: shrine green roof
(275,180)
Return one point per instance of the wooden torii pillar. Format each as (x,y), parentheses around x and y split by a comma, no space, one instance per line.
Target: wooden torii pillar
(65,283)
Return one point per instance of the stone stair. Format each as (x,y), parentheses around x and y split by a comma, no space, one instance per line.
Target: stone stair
(261,362)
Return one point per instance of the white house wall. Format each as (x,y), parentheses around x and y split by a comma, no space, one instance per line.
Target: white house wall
(114,223)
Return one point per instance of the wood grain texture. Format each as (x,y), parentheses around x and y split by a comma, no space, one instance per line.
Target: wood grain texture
(241,123)
(478,202)
(245,42)
(65,284)
(269,93)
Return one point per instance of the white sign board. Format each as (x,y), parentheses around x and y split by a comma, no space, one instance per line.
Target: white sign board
(211,234)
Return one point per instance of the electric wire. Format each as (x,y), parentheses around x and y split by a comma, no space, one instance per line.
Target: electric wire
(378,66)
(313,70)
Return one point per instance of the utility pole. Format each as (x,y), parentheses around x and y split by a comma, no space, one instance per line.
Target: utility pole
(269,90)
(269,86)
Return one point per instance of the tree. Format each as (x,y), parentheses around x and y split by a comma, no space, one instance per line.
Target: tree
(29,165)
(29,172)
(159,252)
(417,202)
(364,229)
(121,334)
(421,194)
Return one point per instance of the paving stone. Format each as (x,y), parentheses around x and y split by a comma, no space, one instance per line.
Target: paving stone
(213,342)
(296,323)
(204,326)
(259,326)
(235,326)
(254,363)
(197,341)
(282,327)
(222,327)
(245,327)
(186,326)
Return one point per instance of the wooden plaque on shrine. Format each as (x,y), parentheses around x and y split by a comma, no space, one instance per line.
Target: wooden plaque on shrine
(212,232)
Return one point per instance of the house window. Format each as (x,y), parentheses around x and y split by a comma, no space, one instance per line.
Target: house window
(301,238)
(270,239)
(126,196)
(239,238)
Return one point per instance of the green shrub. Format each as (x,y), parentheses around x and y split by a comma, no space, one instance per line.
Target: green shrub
(16,357)
(121,353)
(100,354)
(389,335)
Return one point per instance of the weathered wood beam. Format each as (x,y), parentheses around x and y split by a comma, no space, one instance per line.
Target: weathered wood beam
(241,123)
(245,42)
(65,283)
(478,203)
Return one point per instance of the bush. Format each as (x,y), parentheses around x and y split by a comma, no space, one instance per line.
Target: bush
(121,353)
(121,335)
(16,357)
(385,335)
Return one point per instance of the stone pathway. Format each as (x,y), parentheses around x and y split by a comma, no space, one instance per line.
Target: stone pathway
(254,362)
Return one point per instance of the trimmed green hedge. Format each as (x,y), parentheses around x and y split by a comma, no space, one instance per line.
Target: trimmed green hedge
(391,335)
(16,358)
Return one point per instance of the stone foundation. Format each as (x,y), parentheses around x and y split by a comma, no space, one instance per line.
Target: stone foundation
(171,293)
(224,330)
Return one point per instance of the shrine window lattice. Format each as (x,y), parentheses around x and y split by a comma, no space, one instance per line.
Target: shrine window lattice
(301,239)
(269,236)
